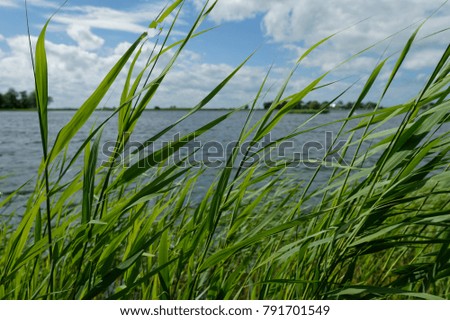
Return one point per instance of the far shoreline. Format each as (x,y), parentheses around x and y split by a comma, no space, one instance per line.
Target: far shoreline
(166,109)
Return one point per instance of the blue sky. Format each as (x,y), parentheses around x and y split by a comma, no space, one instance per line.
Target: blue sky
(86,37)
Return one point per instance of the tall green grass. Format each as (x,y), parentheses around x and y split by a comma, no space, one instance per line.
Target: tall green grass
(115,232)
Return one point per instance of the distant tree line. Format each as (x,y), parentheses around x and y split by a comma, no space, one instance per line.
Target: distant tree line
(19,100)
(316,105)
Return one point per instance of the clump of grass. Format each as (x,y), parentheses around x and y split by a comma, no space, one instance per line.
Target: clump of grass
(379,231)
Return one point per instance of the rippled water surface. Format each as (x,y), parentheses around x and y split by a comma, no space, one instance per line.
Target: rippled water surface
(20,146)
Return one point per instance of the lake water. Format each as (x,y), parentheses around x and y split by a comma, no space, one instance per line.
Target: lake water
(20,146)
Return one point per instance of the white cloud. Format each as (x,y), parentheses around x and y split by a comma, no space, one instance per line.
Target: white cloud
(190,82)
(134,20)
(74,72)
(299,20)
(16,66)
(8,3)
(76,69)
(422,58)
(80,22)
(84,37)
(305,22)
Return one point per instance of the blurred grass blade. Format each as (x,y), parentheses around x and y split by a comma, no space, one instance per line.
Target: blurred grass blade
(90,165)
(165,14)
(41,80)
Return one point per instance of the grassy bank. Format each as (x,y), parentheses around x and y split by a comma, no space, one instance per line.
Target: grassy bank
(379,231)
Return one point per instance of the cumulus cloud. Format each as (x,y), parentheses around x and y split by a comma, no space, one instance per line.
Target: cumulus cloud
(74,72)
(15,65)
(422,58)
(299,20)
(76,69)
(303,22)
(192,81)
(84,37)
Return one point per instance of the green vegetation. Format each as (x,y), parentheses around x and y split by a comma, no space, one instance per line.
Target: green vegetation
(18,100)
(379,231)
(315,105)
